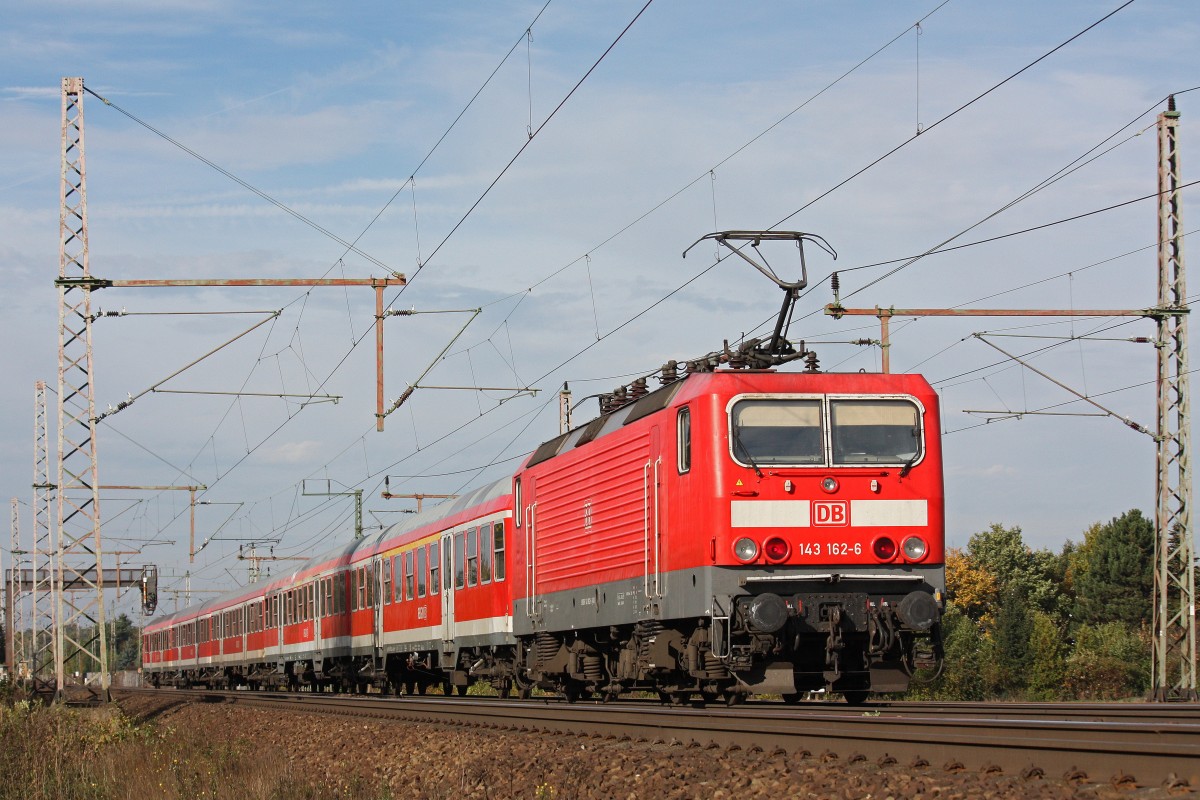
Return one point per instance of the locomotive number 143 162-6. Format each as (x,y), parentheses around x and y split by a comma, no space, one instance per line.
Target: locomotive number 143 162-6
(829,548)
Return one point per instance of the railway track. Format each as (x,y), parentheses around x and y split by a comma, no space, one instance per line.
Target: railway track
(1122,744)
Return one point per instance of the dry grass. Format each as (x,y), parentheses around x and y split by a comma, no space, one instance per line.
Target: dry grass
(60,753)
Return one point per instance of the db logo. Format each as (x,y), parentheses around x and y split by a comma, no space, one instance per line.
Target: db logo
(831,512)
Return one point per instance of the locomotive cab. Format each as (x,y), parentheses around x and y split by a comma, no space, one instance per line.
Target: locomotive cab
(833,556)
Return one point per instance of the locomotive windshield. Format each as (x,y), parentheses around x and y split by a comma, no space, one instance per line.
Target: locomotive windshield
(773,432)
(875,431)
(791,431)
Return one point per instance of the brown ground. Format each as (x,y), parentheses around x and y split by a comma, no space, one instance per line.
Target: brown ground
(370,758)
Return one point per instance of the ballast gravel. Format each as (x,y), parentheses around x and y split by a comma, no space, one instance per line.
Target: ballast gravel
(375,758)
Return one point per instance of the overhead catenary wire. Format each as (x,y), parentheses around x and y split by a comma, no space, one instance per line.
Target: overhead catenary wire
(669,295)
(350,246)
(953,113)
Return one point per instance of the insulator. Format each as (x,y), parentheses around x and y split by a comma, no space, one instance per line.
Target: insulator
(835,284)
(637,389)
(669,373)
(811,364)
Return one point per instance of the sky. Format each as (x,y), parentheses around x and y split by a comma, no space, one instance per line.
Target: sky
(548,163)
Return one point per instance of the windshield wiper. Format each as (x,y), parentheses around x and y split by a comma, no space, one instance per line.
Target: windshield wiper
(738,445)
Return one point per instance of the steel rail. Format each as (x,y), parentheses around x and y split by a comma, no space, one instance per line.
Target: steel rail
(1142,749)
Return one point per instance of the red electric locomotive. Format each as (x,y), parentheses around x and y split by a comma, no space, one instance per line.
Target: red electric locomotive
(736,532)
(740,530)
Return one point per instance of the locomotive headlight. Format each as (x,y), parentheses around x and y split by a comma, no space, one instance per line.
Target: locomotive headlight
(745,549)
(914,548)
(829,484)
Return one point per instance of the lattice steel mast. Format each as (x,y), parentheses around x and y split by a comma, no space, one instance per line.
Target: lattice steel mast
(41,651)
(1173,663)
(80,628)
(14,623)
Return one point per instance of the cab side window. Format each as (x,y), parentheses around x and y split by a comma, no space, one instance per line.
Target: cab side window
(683,435)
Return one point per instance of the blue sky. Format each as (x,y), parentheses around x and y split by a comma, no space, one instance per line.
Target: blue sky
(330,110)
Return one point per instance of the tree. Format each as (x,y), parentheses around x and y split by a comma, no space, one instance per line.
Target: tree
(1048,665)
(1109,661)
(1011,638)
(1115,578)
(1003,553)
(126,645)
(962,673)
(974,588)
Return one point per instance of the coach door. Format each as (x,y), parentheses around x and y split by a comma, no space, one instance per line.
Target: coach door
(377,615)
(448,593)
(318,612)
(277,612)
(652,505)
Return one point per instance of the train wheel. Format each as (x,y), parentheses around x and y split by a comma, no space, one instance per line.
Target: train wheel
(791,699)
(710,697)
(462,690)
(856,697)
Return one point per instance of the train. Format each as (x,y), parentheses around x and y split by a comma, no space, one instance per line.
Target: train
(738,531)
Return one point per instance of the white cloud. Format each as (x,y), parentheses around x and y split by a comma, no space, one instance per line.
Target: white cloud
(291,452)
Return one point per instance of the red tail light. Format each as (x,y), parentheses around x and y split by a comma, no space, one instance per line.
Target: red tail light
(776,549)
(884,548)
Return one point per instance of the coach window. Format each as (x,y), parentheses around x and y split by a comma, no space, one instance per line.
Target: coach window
(460,559)
(362,588)
(435,557)
(472,556)
(498,539)
(875,431)
(485,553)
(421,574)
(389,566)
(683,435)
(312,600)
(409,592)
(517,500)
